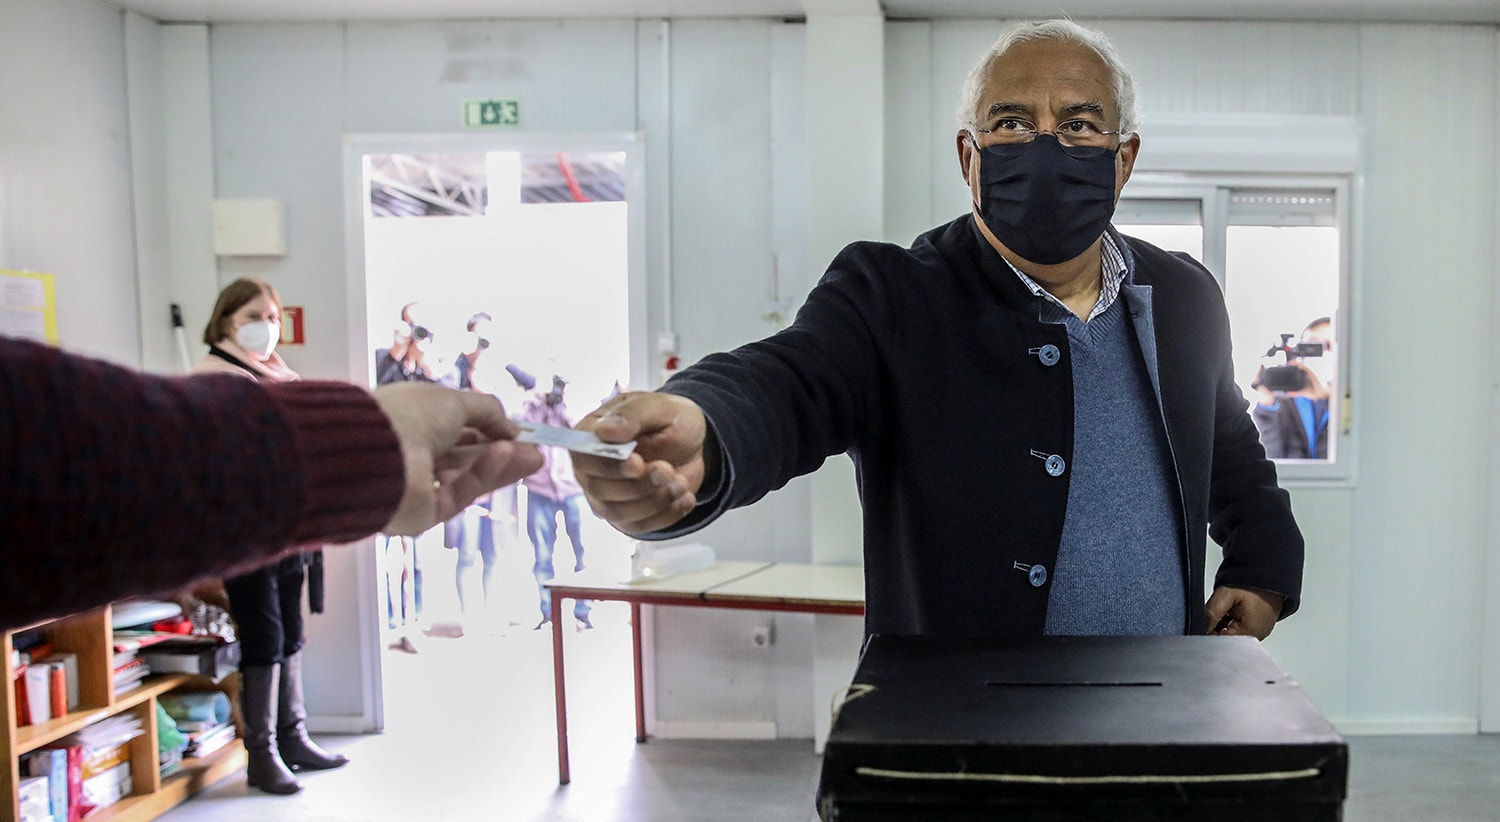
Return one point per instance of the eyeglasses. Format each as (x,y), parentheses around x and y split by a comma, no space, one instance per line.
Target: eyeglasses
(1072,134)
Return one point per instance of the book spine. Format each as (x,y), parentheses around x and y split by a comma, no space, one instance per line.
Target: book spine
(23,700)
(39,692)
(58,679)
(75,783)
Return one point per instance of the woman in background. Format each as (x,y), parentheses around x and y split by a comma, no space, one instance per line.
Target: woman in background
(266,603)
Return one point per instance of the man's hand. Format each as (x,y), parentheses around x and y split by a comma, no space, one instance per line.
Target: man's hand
(457,446)
(1245,612)
(657,485)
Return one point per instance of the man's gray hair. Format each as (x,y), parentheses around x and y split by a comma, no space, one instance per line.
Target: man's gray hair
(1065,31)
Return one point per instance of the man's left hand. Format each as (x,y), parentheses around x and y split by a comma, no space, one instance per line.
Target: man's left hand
(1244,612)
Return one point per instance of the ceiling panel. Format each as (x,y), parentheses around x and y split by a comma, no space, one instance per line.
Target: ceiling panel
(1438,11)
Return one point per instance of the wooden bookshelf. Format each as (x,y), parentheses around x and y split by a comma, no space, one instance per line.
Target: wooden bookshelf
(90,636)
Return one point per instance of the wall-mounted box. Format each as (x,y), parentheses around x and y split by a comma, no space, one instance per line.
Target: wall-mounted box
(249,228)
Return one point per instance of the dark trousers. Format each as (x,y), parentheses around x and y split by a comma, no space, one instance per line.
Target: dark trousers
(266,605)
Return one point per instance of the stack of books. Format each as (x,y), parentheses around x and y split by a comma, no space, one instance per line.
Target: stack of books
(35,799)
(130,669)
(207,656)
(204,717)
(129,666)
(86,770)
(205,738)
(51,766)
(168,761)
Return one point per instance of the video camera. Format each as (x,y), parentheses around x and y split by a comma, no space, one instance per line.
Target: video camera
(1289,377)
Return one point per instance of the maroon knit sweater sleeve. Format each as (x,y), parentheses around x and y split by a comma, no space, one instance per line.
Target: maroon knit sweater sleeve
(115,484)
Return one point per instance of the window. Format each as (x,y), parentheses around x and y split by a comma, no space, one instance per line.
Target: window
(1279,248)
(459,185)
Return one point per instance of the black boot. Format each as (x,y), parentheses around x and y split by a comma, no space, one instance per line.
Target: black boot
(258,698)
(298,751)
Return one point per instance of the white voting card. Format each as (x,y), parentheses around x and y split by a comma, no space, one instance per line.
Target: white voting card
(584,442)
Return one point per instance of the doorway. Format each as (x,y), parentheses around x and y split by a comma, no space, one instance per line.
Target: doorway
(532,244)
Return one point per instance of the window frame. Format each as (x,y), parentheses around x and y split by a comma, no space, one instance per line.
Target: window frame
(1212,191)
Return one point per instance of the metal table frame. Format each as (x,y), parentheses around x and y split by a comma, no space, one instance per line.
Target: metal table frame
(752,586)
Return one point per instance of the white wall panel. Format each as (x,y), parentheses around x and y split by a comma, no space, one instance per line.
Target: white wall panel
(722,277)
(911,143)
(189,146)
(170,117)
(66,184)
(1311,644)
(147,120)
(414,77)
(1240,68)
(723,249)
(721,166)
(789,511)
(1419,522)
(1489,681)
(279,98)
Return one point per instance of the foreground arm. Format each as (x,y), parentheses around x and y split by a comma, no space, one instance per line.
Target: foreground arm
(116,484)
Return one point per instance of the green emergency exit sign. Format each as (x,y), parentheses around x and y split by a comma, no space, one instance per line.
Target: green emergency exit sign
(492,113)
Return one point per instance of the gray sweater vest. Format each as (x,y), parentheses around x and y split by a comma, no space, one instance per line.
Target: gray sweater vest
(1119,568)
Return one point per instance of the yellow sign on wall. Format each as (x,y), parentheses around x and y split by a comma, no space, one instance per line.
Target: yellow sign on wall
(28,306)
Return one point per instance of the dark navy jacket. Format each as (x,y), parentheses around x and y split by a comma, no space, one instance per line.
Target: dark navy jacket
(929,367)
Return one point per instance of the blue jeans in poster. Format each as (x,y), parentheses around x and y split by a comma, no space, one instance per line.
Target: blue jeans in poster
(541,526)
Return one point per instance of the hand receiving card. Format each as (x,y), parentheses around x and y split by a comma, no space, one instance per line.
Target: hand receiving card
(584,442)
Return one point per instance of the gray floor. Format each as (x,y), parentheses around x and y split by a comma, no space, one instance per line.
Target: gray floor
(1411,779)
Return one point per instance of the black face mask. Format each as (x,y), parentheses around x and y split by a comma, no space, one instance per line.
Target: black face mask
(1045,201)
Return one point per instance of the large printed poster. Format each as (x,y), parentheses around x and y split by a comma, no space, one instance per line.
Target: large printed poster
(28,306)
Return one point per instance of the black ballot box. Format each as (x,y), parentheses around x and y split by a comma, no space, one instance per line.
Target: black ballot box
(1078,728)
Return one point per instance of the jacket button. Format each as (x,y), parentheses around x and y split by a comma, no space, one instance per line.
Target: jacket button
(1038,576)
(1049,354)
(1055,465)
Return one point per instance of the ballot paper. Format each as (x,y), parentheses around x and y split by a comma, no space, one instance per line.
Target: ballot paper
(584,442)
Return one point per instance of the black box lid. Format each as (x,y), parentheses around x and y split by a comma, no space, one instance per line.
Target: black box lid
(1161,719)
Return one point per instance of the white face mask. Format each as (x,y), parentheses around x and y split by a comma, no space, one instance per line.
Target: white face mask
(258,338)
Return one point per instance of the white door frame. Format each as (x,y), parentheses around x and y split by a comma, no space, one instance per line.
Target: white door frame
(356,195)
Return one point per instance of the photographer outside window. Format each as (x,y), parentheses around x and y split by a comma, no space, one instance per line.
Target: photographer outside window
(1294,399)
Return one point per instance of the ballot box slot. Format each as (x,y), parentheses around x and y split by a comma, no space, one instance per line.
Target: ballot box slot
(1007,683)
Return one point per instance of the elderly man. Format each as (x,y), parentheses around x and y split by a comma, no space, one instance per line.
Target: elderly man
(1041,412)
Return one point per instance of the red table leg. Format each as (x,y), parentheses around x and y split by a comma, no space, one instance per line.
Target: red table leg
(563,776)
(640,682)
